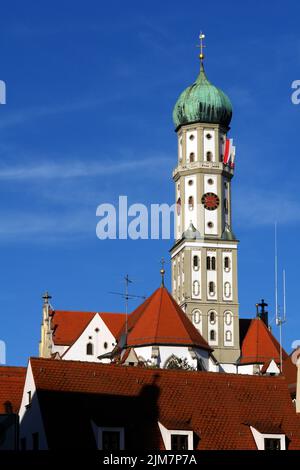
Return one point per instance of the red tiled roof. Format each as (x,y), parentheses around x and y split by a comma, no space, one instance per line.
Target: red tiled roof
(259,345)
(220,408)
(12,381)
(289,370)
(160,320)
(68,325)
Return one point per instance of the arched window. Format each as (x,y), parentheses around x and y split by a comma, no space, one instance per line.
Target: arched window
(228,336)
(89,349)
(212,317)
(208,263)
(227,289)
(211,288)
(226,205)
(178,206)
(191,203)
(192,157)
(196,316)
(226,263)
(228,318)
(213,263)
(212,335)
(209,156)
(196,288)
(196,262)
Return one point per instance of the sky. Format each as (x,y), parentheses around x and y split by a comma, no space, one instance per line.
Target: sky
(90,91)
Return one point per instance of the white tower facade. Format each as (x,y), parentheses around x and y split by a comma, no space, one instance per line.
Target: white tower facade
(204,257)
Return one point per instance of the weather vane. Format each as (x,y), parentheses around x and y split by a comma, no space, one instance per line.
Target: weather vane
(162,272)
(201,46)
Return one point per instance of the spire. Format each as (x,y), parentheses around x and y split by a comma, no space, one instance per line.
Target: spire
(162,272)
(46,298)
(201,47)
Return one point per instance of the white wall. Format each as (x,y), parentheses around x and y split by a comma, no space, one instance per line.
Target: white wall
(165,353)
(30,417)
(77,352)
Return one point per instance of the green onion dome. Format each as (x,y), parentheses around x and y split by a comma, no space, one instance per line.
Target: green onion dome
(202,102)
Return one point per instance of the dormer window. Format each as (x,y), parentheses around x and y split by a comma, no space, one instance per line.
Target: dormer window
(109,439)
(176,439)
(266,441)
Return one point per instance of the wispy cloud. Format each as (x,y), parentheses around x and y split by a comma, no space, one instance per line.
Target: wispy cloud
(22,116)
(76,169)
(256,207)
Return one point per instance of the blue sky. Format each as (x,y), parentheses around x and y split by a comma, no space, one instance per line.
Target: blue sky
(90,92)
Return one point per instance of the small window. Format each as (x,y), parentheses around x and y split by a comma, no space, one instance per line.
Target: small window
(179,442)
(227,289)
(212,335)
(211,288)
(89,349)
(212,318)
(97,330)
(210,181)
(228,318)
(23,443)
(208,136)
(208,263)
(228,336)
(272,444)
(196,315)
(105,345)
(210,224)
(226,205)
(191,203)
(191,182)
(196,288)
(178,206)
(35,441)
(226,263)
(209,156)
(192,137)
(196,262)
(111,440)
(192,157)
(213,263)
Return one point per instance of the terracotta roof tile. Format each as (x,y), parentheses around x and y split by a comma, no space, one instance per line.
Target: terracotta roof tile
(12,381)
(260,345)
(160,320)
(219,407)
(69,325)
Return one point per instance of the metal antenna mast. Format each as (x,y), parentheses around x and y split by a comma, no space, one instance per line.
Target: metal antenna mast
(280,319)
(276,275)
(127,297)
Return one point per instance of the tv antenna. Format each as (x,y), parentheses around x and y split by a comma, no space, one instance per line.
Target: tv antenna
(126,296)
(280,319)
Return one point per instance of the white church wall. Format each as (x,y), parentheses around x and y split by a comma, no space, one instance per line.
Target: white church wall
(30,414)
(101,338)
(166,352)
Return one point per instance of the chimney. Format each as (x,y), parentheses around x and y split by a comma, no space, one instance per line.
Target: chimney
(262,313)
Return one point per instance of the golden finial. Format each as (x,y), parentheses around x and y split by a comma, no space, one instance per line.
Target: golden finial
(201,46)
(162,272)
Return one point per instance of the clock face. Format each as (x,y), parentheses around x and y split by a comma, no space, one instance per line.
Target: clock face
(210,201)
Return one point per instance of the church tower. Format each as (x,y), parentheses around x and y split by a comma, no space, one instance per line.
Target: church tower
(204,257)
